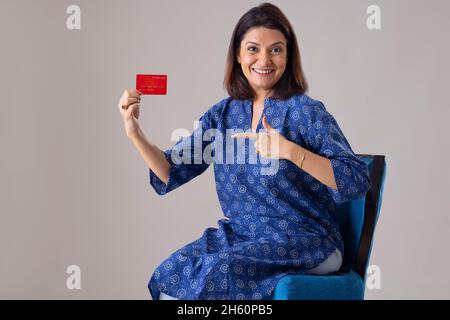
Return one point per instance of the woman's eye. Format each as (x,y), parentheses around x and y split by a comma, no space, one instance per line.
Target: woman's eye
(254,49)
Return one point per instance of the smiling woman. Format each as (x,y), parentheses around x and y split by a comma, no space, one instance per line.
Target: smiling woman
(262,63)
(264,40)
(277,223)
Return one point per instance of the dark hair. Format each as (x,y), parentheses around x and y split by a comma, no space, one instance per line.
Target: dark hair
(293,81)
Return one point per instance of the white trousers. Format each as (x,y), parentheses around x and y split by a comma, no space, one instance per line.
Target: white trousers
(331,264)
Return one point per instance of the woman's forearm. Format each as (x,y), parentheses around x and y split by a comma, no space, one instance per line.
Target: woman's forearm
(317,166)
(152,155)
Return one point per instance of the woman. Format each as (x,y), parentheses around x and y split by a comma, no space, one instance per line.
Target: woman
(278,223)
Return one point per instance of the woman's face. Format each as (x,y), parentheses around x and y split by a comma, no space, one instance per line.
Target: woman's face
(263,57)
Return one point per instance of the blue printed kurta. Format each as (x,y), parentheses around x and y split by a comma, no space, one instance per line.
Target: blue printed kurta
(274,225)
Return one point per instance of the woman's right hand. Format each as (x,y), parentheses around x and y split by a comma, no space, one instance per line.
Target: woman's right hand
(129,104)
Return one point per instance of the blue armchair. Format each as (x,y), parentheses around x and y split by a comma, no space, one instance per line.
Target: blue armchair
(357,220)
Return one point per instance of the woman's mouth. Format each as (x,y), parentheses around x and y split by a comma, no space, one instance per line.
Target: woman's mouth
(263,72)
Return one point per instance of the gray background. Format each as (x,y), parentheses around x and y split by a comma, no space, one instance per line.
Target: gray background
(75,191)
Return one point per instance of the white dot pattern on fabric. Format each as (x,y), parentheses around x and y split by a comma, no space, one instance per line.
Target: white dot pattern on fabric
(274,224)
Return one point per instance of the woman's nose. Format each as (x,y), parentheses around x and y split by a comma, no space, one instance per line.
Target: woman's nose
(264,58)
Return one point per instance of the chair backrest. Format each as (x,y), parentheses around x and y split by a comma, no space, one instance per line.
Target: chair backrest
(358,218)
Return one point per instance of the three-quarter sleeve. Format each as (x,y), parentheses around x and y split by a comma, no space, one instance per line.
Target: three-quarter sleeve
(350,172)
(185,158)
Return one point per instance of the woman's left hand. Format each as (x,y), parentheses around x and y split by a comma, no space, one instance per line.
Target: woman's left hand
(269,144)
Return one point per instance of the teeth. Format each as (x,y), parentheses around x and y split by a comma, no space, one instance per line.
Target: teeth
(262,71)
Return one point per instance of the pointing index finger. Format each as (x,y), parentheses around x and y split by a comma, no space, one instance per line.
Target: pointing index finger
(245,135)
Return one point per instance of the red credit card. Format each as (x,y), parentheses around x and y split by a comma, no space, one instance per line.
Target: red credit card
(151,83)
